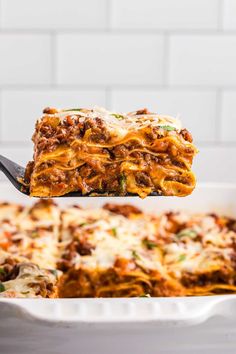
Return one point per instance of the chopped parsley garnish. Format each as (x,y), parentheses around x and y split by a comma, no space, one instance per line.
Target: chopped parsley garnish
(72,109)
(149,244)
(122,182)
(118,116)
(169,128)
(187,233)
(145,295)
(54,272)
(2,287)
(2,271)
(83,224)
(114,232)
(135,254)
(34,234)
(182,257)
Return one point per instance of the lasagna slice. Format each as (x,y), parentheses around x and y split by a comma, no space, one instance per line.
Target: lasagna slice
(112,252)
(31,232)
(199,252)
(20,278)
(96,152)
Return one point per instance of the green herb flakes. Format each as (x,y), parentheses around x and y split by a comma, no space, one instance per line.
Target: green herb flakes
(122,182)
(149,244)
(2,271)
(187,233)
(169,128)
(118,116)
(54,272)
(114,232)
(182,257)
(135,254)
(34,234)
(83,224)
(72,109)
(2,287)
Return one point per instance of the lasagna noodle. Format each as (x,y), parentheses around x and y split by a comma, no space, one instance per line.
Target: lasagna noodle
(98,152)
(113,282)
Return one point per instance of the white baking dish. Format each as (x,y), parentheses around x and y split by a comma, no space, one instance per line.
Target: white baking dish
(141,325)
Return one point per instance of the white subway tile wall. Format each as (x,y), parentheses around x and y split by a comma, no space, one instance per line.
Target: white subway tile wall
(191,106)
(166,14)
(174,57)
(109,59)
(25,59)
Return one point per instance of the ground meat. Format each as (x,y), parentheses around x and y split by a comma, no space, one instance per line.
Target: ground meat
(178,163)
(96,165)
(231,224)
(85,171)
(57,176)
(137,155)
(143,179)
(142,111)
(84,248)
(81,246)
(112,184)
(52,133)
(186,135)
(120,151)
(48,145)
(69,120)
(99,132)
(124,209)
(151,135)
(28,171)
(50,110)
(219,276)
(9,270)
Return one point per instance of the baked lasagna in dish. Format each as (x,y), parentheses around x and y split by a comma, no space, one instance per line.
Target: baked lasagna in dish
(20,278)
(31,232)
(114,251)
(97,152)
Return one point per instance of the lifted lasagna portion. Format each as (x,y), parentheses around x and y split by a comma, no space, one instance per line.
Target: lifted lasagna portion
(21,279)
(93,151)
(112,254)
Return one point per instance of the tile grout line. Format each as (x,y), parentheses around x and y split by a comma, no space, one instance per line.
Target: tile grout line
(1,17)
(97,31)
(220,14)
(109,15)
(90,87)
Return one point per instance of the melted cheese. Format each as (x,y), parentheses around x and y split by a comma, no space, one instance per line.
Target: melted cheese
(113,236)
(212,251)
(32,233)
(121,123)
